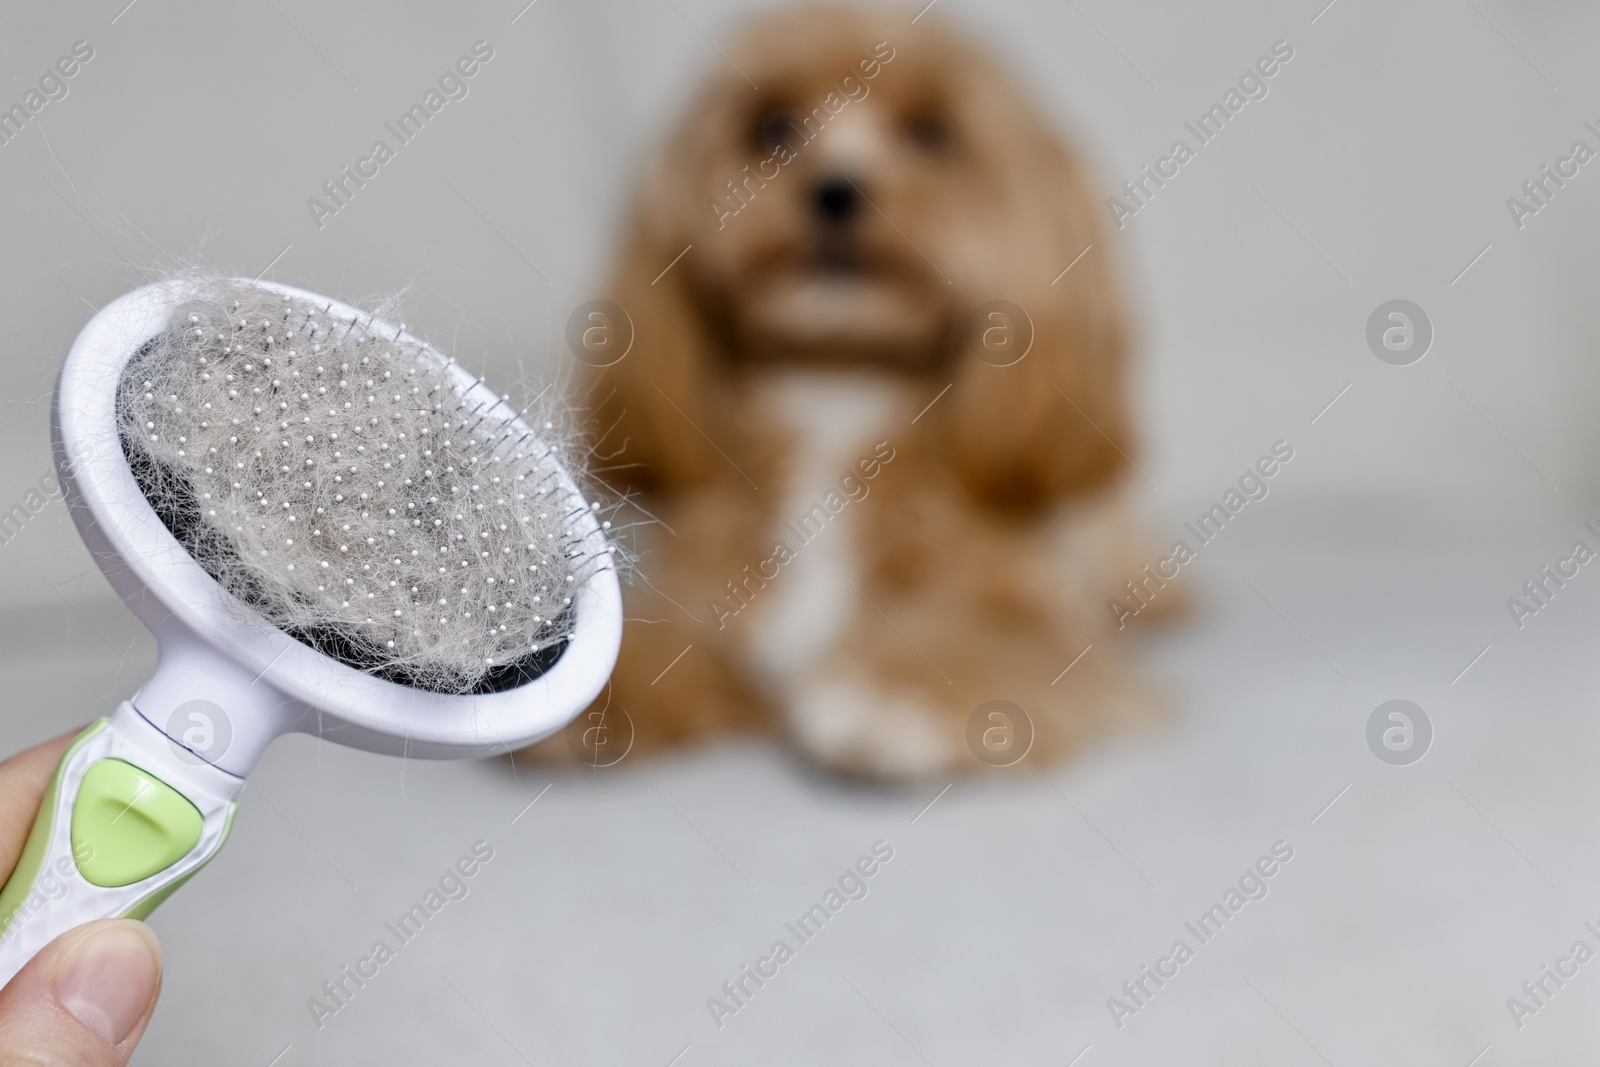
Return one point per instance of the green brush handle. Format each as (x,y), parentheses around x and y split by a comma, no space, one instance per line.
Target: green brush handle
(128,817)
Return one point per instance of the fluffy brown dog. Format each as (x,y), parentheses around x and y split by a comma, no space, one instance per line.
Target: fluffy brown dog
(874,397)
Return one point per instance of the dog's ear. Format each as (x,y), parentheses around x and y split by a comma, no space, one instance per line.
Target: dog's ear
(1054,421)
(650,401)
(655,403)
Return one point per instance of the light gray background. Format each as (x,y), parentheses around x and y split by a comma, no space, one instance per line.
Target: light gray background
(1380,161)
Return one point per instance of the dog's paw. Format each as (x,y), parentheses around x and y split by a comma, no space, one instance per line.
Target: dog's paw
(861,729)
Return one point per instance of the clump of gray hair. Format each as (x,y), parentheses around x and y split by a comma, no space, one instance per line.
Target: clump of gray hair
(334,474)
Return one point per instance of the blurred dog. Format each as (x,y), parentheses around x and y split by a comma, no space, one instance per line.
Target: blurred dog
(874,397)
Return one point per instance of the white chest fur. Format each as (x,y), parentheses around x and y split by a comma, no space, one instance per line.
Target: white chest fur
(833,420)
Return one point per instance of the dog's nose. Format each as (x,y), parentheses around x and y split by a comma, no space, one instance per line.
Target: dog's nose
(837,200)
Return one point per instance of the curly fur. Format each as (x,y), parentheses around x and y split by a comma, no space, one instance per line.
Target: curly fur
(978,565)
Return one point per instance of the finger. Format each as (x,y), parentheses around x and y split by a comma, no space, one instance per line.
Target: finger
(23,779)
(85,999)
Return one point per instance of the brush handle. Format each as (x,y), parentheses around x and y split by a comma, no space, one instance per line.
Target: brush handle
(128,817)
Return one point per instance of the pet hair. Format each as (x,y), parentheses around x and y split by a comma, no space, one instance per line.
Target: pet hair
(340,478)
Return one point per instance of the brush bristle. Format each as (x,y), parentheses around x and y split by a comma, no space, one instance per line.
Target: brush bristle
(333,474)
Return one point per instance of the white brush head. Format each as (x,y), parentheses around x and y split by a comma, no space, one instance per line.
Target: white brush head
(332,504)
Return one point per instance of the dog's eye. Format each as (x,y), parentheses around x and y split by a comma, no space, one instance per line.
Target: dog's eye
(929,132)
(774,127)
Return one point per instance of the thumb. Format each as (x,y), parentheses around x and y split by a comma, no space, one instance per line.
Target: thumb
(85,999)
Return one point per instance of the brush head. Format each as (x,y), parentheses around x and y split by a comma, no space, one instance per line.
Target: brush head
(357,489)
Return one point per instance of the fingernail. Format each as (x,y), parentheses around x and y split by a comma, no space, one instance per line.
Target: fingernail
(109,976)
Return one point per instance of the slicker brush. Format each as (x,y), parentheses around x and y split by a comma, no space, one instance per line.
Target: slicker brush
(330,527)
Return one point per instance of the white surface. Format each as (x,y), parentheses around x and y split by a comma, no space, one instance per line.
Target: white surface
(1005,919)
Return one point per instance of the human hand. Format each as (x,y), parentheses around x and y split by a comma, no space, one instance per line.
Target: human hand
(86,998)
